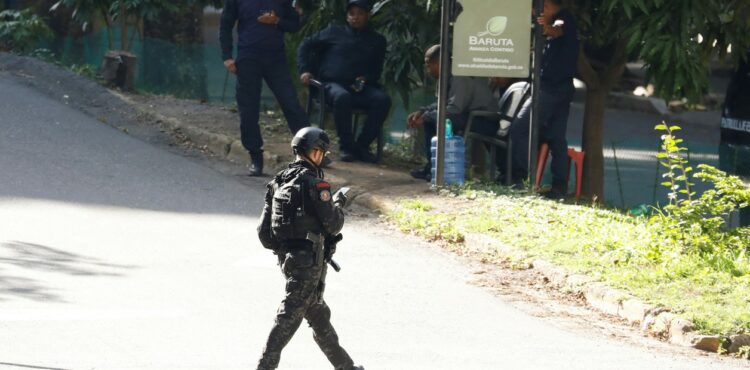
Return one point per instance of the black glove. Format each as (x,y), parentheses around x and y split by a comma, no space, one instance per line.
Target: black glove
(331,243)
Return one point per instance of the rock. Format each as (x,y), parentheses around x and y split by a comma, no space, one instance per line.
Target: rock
(650,318)
(738,341)
(710,343)
(556,275)
(634,310)
(576,282)
(662,324)
(119,68)
(604,298)
(680,331)
(219,144)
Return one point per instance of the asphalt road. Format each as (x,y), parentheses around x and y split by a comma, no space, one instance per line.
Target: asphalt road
(118,254)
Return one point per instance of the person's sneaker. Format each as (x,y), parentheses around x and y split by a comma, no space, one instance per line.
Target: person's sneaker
(423,173)
(346,156)
(364,155)
(358,367)
(256,164)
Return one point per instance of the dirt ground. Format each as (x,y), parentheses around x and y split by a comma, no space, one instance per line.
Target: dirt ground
(142,116)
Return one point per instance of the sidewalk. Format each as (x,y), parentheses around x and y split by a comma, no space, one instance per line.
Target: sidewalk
(215,130)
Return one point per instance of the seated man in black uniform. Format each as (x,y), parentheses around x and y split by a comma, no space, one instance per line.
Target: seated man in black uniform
(349,61)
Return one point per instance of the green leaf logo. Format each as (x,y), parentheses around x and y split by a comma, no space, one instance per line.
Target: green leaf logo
(495,26)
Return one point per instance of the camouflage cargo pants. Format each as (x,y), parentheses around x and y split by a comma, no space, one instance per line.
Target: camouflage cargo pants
(303,278)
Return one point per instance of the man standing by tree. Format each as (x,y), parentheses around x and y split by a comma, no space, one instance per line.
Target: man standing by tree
(556,93)
(260,56)
(349,61)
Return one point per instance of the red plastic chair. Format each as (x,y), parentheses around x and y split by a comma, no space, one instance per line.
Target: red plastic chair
(573,155)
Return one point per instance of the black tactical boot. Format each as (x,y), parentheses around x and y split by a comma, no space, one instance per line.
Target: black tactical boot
(363,154)
(256,164)
(346,156)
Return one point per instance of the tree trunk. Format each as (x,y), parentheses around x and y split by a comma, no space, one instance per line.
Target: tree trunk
(108,22)
(592,142)
(599,82)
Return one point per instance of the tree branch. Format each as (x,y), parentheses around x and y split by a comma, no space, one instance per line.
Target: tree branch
(617,66)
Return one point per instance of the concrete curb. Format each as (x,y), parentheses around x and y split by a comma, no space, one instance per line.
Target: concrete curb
(223,146)
(229,148)
(655,321)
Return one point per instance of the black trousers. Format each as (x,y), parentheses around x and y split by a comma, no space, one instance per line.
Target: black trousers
(251,71)
(303,278)
(373,100)
(554,107)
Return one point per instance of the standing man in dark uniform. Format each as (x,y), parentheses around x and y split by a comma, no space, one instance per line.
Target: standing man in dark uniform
(559,67)
(301,222)
(261,25)
(349,61)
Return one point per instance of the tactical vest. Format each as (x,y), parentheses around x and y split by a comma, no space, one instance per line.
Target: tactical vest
(290,219)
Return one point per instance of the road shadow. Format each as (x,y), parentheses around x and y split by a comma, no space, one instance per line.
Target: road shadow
(46,259)
(51,151)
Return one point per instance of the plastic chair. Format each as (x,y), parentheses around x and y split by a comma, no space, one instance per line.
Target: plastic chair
(316,97)
(573,155)
(510,104)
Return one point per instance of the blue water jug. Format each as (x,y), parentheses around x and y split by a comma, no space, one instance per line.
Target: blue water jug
(455,150)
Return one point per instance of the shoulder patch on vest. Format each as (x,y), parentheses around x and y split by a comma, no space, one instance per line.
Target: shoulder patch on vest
(325,195)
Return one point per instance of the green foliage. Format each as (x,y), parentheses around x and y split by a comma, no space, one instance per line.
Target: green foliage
(406,44)
(84,11)
(677,168)
(683,257)
(744,352)
(45,55)
(416,216)
(689,225)
(396,20)
(665,34)
(21,30)
(86,70)
(152,9)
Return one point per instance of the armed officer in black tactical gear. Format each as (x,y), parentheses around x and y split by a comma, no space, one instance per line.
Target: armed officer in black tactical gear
(301,222)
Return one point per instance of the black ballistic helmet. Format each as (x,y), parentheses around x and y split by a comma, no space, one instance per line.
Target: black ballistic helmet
(364,4)
(309,138)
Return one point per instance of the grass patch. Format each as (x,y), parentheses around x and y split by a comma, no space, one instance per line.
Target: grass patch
(625,252)
(416,216)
